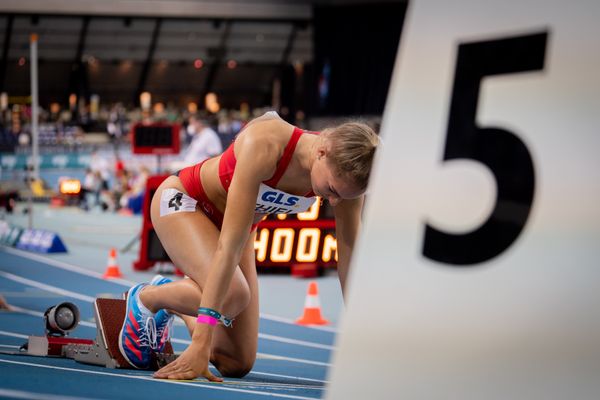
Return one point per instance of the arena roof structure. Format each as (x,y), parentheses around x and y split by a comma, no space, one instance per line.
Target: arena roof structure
(179,50)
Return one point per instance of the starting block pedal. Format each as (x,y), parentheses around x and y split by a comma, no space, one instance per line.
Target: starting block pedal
(104,351)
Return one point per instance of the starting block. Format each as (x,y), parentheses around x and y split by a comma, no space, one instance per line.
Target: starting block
(104,351)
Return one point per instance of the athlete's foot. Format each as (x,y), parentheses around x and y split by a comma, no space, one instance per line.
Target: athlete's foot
(138,334)
(163,318)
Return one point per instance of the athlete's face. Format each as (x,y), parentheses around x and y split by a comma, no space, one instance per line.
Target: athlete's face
(329,185)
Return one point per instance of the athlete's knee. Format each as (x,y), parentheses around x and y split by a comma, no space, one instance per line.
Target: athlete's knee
(232,367)
(238,297)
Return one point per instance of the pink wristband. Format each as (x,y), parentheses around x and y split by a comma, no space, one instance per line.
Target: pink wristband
(206,319)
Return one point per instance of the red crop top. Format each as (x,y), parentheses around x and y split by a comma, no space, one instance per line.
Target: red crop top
(228,162)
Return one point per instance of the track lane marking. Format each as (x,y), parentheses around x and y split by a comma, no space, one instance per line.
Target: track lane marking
(21,394)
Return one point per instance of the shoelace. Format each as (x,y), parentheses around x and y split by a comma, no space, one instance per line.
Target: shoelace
(148,336)
(164,333)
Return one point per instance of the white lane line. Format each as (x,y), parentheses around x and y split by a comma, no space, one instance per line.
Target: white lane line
(289,377)
(63,292)
(21,394)
(266,356)
(29,312)
(52,262)
(48,288)
(215,386)
(127,283)
(34,313)
(291,322)
(13,334)
(296,342)
(292,359)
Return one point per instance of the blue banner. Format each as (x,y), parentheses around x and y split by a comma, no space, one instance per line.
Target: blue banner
(11,162)
(40,241)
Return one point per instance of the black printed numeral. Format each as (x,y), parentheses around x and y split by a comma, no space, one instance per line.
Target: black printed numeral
(501,150)
(175,201)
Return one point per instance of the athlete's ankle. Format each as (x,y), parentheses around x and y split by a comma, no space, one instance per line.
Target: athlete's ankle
(145,300)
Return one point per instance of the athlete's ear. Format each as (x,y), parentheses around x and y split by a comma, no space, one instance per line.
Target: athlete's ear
(323,147)
(321,151)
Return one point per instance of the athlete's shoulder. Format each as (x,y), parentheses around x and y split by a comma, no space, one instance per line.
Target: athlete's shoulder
(268,129)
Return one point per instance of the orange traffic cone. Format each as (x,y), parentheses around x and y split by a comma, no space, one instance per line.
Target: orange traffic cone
(312,308)
(112,268)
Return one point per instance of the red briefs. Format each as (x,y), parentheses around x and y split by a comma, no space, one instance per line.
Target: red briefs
(190,179)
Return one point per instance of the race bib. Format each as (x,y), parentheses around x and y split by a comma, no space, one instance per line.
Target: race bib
(172,201)
(273,201)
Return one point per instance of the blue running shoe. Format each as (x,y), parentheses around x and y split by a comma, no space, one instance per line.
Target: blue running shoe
(163,318)
(138,333)
(158,280)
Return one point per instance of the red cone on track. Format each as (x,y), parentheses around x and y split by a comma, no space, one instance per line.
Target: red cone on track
(112,268)
(312,308)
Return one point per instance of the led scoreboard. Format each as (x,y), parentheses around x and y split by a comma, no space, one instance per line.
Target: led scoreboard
(156,138)
(286,240)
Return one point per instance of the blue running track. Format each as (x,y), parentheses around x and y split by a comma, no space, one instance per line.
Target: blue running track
(292,361)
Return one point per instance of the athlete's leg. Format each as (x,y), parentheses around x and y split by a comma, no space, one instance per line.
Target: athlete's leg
(190,239)
(234,349)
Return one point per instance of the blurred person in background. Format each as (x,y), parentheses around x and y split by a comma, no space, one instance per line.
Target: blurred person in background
(204,145)
(120,186)
(117,124)
(228,128)
(134,196)
(90,186)
(99,165)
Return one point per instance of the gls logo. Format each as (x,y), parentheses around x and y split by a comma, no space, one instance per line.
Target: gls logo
(274,197)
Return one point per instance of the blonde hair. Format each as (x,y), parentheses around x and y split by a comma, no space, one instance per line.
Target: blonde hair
(352,147)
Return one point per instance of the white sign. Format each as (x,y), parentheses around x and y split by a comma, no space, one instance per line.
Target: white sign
(478,272)
(60,161)
(9,161)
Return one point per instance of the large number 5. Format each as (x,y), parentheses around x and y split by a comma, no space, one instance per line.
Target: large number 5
(503,152)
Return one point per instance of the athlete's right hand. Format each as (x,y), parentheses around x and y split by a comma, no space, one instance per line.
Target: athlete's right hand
(191,364)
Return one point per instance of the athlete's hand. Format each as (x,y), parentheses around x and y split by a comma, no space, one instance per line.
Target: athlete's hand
(191,364)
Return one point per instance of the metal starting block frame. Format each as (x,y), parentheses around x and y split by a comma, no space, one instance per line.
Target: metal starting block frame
(109,315)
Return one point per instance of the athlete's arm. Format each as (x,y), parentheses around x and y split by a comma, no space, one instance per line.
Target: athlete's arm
(347,224)
(256,162)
